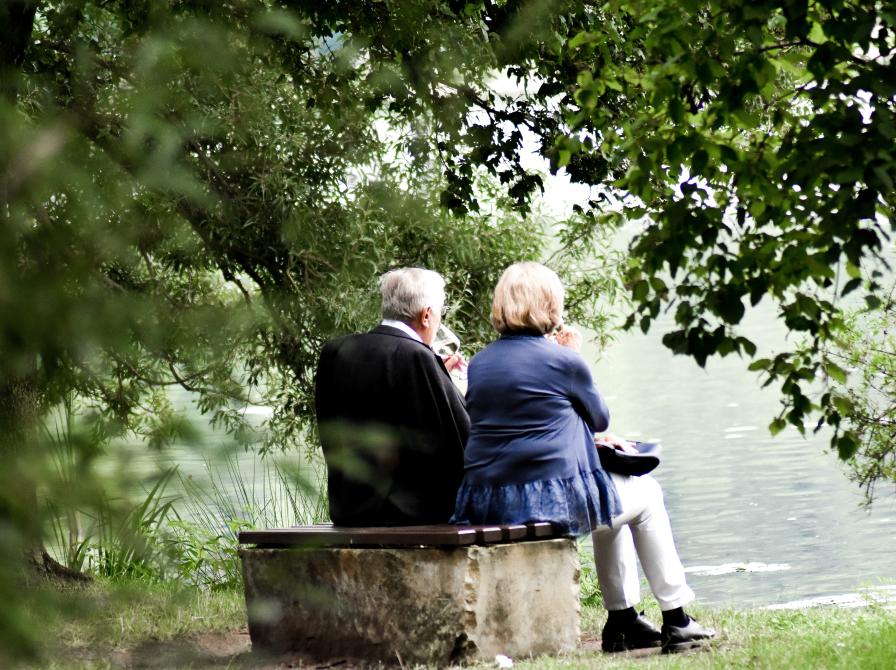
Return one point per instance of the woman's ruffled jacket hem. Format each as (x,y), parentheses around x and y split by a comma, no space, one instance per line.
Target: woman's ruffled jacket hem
(577,505)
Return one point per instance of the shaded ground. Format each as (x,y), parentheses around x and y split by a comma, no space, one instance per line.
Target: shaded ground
(210,650)
(156,626)
(203,650)
(233,650)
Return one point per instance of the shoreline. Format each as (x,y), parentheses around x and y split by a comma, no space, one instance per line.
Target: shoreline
(133,624)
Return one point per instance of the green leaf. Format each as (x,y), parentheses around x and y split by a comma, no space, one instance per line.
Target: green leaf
(612,83)
(843,404)
(587,97)
(699,162)
(847,445)
(777,426)
(748,346)
(883,178)
(816,33)
(853,271)
(851,286)
(658,285)
(581,39)
(280,22)
(760,364)
(836,373)
(640,290)
(726,346)
(730,307)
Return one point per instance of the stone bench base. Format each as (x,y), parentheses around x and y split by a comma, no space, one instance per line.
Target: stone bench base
(426,605)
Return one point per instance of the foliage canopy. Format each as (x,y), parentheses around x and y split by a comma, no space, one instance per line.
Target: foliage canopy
(754,142)
(199,193)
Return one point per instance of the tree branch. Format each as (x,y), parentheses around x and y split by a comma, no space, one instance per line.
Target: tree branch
(16,23)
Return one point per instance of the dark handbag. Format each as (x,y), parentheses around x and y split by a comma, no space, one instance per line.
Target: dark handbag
(634,465)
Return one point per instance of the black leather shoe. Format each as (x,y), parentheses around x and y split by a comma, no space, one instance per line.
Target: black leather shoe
(637,634)
(679,638)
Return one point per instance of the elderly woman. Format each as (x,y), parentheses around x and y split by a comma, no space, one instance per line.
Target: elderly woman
(530,456)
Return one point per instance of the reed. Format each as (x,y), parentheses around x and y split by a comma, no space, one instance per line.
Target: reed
(93,522)
(201,535)
(178,527)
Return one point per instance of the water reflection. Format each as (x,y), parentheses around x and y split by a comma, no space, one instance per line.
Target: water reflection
(736,495)
(739,499)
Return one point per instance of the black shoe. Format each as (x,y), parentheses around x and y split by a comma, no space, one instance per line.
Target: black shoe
(637,634)
(679,638)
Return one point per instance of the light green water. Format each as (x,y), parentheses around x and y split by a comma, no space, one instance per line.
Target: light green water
(758,520)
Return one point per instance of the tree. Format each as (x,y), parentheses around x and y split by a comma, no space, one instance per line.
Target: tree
(867,400)
(754,142)
(761,149)
(198,193)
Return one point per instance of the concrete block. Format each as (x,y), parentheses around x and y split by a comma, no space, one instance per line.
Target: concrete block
(426,605)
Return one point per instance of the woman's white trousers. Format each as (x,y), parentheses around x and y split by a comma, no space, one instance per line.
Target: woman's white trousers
(642,532)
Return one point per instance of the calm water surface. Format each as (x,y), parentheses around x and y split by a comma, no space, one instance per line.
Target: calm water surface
(757,520)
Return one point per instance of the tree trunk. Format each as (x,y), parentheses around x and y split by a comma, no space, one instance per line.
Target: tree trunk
(20,412)
(16,22)
(20,397)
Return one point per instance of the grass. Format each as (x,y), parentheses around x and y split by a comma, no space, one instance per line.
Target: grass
(828,638)
(101,624)
(137,624)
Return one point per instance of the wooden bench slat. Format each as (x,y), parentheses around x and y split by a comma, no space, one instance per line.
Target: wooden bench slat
(515,532)
(541,529)
(488,534)
(348,537)
(327,535)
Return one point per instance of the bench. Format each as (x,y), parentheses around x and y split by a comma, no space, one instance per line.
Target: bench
(434,595)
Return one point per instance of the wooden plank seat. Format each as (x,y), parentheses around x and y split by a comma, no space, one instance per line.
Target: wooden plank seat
(443,535)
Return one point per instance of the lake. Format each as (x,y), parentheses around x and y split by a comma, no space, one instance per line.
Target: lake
(758,520)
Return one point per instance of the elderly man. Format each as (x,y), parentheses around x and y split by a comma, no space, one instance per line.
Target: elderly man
(392,424)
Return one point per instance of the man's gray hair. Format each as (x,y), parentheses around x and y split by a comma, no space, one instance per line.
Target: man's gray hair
(408,291)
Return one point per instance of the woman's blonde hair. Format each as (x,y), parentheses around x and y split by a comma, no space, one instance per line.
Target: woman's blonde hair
(529,296)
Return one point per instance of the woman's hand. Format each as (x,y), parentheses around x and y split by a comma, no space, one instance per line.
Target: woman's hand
(615,442)
(569,337)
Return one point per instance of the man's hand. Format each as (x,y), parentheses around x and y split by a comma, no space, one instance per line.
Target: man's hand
(455,362)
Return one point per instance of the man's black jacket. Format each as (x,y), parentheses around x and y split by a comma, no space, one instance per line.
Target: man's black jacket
(393,428)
